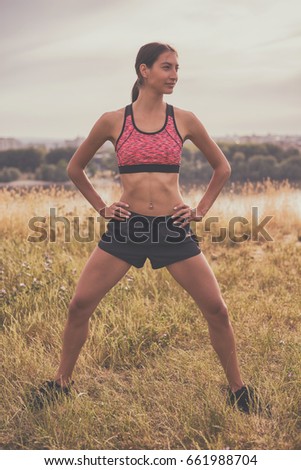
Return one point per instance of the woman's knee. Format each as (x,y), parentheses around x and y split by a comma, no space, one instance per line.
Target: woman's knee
(218,315)
(79,310)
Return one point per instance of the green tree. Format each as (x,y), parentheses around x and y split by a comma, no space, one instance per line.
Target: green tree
(9,174)
(291,168)
(109,163)
(63,153)
(239,167)
(60,171)
(46,172)
(261,166)
(28,159)
(187,154)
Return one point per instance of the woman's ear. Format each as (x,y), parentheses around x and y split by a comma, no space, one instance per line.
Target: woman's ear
(143,70)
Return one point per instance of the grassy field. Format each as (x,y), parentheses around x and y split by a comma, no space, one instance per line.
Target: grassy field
(148,377)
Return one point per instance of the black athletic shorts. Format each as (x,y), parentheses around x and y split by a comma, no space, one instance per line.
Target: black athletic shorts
(147,236)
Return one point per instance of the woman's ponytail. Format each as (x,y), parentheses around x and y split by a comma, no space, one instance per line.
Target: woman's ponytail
(135,91)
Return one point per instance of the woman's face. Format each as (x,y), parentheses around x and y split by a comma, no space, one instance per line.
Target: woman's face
(163,75)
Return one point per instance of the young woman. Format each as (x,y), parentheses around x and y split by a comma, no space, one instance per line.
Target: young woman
(148,136)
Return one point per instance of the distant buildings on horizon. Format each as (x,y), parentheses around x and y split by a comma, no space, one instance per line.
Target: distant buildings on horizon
(11,143)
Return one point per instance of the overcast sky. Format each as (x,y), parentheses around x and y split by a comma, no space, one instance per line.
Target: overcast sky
(65,62)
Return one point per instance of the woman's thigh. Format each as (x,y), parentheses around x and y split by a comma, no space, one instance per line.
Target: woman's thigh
(101,272)
(197,278)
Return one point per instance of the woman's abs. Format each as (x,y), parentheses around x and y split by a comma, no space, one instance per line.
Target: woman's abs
(151,193)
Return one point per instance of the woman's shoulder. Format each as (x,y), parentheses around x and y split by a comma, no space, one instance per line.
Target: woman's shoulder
(184,113)
(114,120)
(115,115)
(119,110)
(183,119)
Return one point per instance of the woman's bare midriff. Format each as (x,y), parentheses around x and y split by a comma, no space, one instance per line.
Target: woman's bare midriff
(164,194)
(149,193)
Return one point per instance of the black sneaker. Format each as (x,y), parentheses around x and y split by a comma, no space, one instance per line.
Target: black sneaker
(245,400)
(49,392)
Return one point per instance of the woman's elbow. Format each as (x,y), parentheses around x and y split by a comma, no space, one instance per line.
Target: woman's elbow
(69,170)
(228,170)
(72,169)
(225,170)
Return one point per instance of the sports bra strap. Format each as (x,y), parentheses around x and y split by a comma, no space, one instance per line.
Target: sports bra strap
(127,110)
(169,110)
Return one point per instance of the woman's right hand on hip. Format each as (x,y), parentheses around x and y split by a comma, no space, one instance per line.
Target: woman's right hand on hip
(117,210)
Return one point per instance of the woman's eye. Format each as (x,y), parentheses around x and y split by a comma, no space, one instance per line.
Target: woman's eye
(166,67)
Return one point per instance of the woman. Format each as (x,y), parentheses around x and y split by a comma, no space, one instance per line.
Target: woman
(148,136)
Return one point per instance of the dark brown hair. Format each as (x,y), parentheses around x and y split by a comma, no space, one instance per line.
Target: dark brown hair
(148,54)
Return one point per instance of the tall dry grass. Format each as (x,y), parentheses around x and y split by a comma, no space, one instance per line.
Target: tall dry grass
(147,377)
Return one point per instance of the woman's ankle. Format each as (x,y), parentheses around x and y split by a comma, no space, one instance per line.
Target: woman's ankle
(237,386)
(63,381)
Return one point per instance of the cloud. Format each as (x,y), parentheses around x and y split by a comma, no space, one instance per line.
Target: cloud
(64,62)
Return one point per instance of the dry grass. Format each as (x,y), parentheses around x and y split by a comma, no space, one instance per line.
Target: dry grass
(147,377)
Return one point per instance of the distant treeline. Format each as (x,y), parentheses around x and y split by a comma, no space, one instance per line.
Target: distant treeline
(253,162)
(42,165)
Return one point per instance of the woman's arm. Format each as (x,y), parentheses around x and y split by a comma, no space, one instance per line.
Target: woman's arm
(99,134)
(222,169)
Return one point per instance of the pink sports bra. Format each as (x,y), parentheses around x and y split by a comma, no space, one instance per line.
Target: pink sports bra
(138,151)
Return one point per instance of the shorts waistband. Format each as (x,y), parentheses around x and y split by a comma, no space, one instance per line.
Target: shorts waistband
(161,217)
